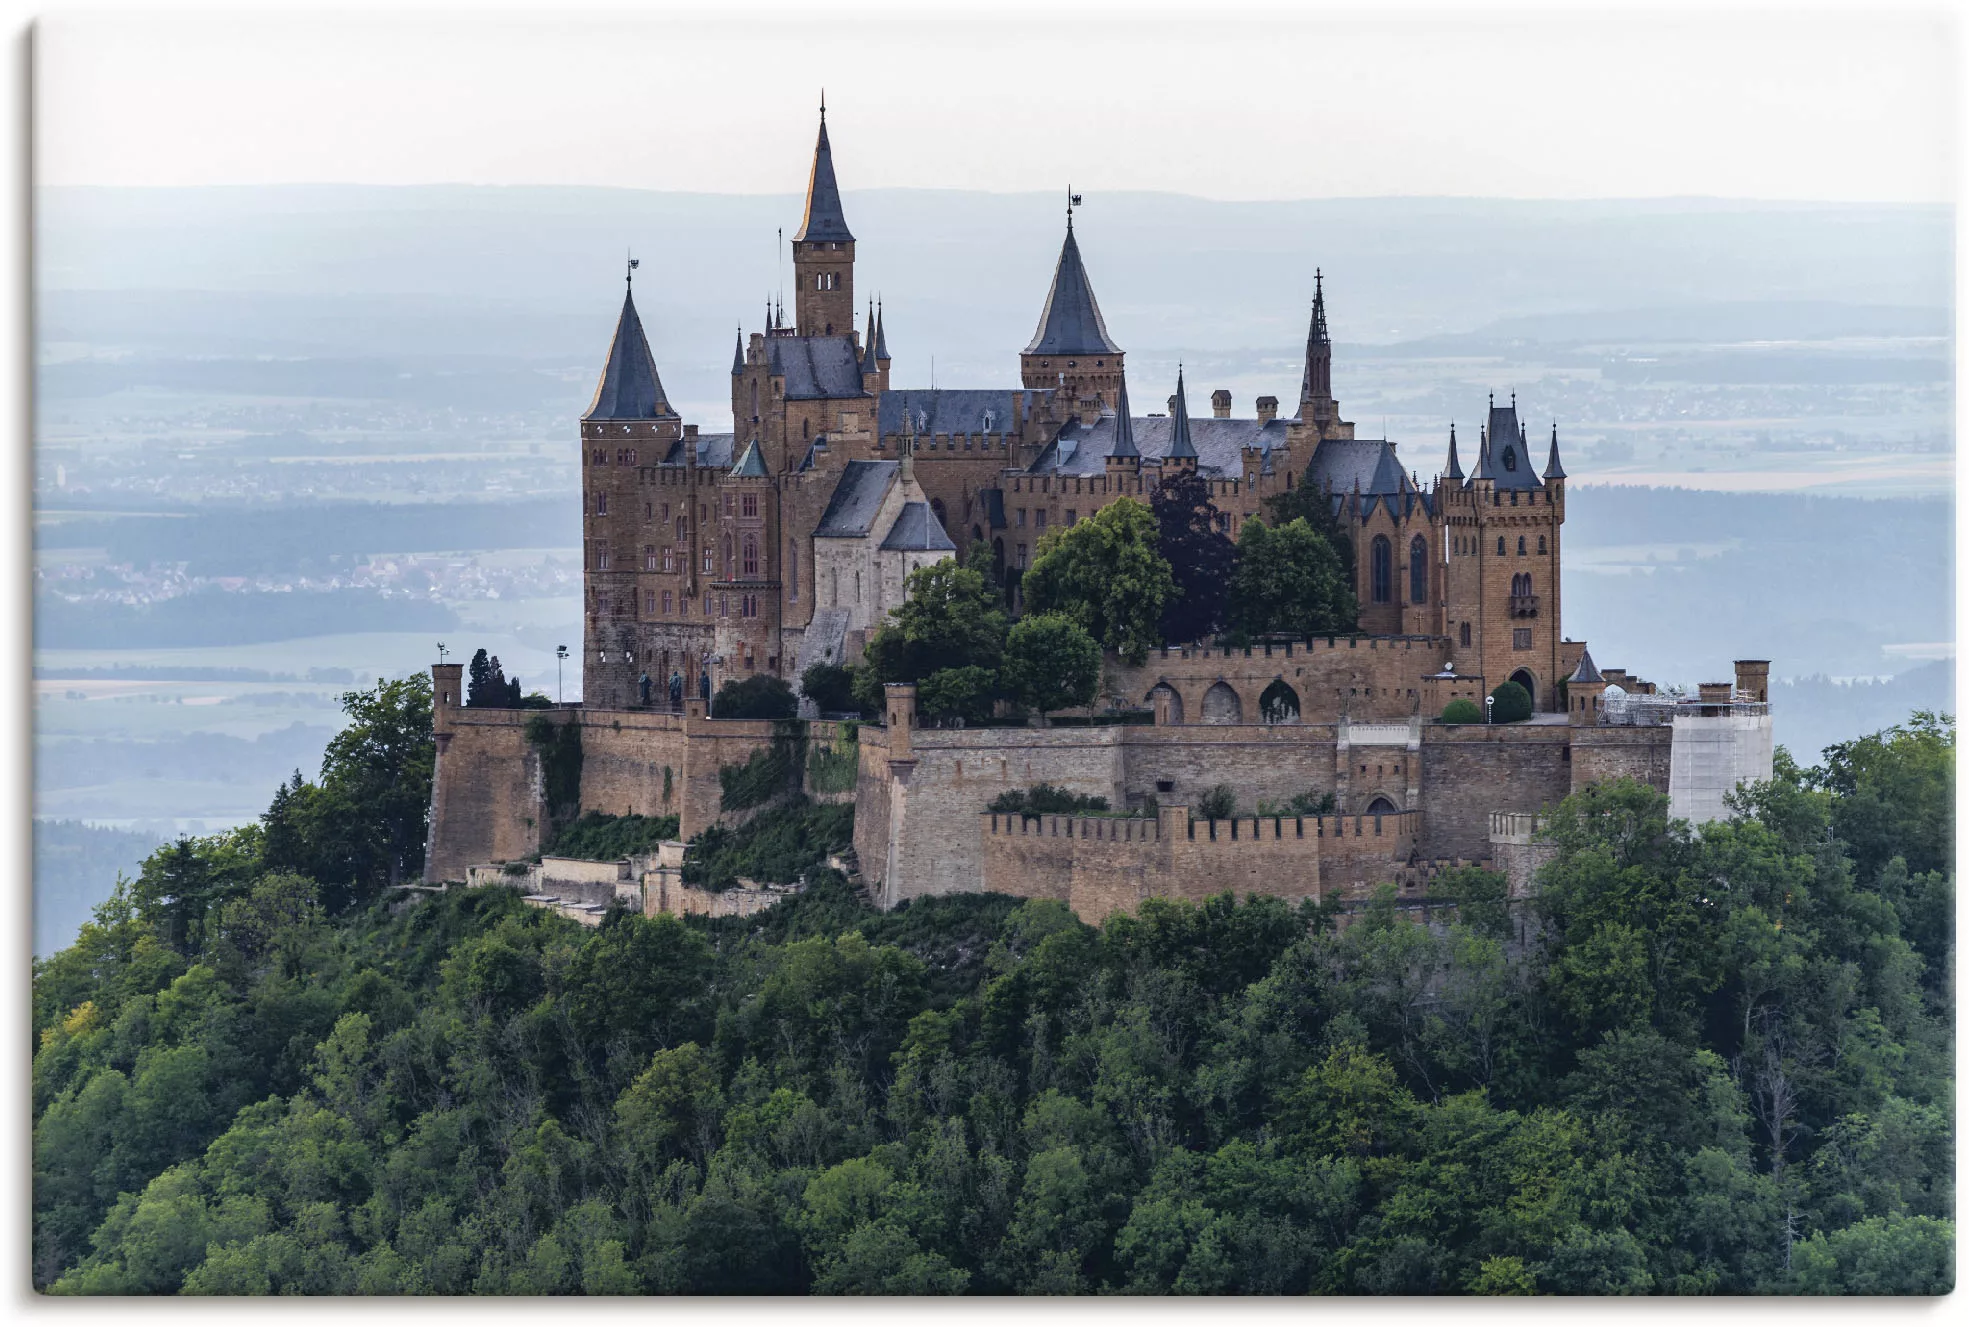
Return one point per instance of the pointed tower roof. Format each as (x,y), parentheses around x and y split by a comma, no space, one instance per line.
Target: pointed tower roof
(1124,427)
(868,355)
(1483,470)
(1179,430)
(881,336)
(751,465)
(1316,334)
(1586,672)
(738,354)
(824,220)
(1509,458)
(629,387)
(1553,470)
(1071,324)
(1455,470)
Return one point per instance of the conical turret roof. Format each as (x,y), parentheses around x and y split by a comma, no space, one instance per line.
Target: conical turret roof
(1586,672)
(824,219)
(629,387)
(1553,470)
(1455,470)
(1179,432)
(751,465)
(881,335)
(1124,427)
(1071,324)
(738,354)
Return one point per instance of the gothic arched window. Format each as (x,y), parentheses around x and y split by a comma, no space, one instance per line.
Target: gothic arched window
(1418,570)
(751,557)
(1521,545)
(1382,570)
(1500,545)
(1541,543)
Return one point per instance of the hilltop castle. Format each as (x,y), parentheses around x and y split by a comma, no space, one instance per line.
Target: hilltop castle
(784,542)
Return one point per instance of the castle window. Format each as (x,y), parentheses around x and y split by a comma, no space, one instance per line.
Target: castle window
(749,505)
(670,559)
(649,603)
(1019,519)
(649,557)
(666,511)
(728,557)
(601,504)
(1514,497)
(1418,570)
(751,557)
(1022,557)
(666,603)
(681,536)
(1465,636)
(792,571)
(632,456)
(707,605)
(601,559)
(1381,570)
(646,511)
(707,559)
(1500,545)
(1521,545)
(1541,543)
(1072,516)
(600,457)
(1039,518)
(728,504)
(1521,638)
(723,604)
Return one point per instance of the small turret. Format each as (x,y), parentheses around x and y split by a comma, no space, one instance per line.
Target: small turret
(1123,458)
(1182,452)
(1585,692)
(1454,471)
(1553,470)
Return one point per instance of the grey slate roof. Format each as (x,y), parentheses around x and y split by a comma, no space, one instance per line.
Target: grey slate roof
(868,356)
(1345,464)
(1124,426)
(738,354)
(824,220)
(881,334)
(751,465)
(1586,672)
(713,449)
(1506,460)
(1553,470)
(816,367)
(1071,324)
(629,387)
(1179,428)
(1083,449)
(917,530)
(1455,470)
(952,410)
(857,497)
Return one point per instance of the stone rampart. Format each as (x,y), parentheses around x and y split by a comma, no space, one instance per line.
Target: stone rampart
(1364,677)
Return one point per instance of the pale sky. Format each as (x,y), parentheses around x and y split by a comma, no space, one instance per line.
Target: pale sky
(1775,103)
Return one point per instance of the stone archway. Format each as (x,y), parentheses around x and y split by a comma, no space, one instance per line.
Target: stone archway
(1524,679)
(1175,697)
(1278,704)
(1221,705)
(1381,806)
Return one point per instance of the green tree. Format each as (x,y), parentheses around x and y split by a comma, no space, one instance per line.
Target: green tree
(1288,581)
(1200,557)
(760,696)
(1051,663)
(1317,507)
(1510,703)
(1106,574)
(830,687)
(949,619)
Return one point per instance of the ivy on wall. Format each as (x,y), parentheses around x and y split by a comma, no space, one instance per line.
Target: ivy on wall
(769,773)
(559,747)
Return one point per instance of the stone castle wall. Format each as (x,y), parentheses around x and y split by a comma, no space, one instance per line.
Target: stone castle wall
(1364,677)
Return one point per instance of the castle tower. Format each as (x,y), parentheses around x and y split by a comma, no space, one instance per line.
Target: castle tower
(1072,350)
(628,427)
(1182,451)
(824,253)
(1502,531)
(1586,692)
(1124,459)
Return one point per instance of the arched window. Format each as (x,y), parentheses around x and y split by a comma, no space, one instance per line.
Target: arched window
(1521,545)
(1466,635)
(751,558)
(1382,571)
(1418,570)
(680,530)
(1541,543)
(1500,545)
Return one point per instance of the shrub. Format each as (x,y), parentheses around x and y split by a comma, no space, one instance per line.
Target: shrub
(761,696)
(774,847)
(1463,711)
(1043,799)
(1511,703)
(765,776)
(830,687)
(1220,803)
(832,768)
(599,837)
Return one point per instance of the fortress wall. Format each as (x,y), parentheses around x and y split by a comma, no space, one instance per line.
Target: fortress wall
(486,796)
(1275,762)
(1601,754)
(1471,770)
(632,763)
(873,790)
(1370,677)
(1358,852)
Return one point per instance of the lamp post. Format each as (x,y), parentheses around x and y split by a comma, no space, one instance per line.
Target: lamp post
(560,657)
(1488,702)
(442,651)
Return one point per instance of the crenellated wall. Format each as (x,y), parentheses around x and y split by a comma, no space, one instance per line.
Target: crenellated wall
(1363,677)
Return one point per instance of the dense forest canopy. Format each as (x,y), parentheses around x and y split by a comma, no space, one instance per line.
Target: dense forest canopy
(1708,1061)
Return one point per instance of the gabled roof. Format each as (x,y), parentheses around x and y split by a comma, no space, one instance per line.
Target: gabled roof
(751,465)
(1345,464)
(1507,460)
(857,497)
(952,410)
(917,530)
(816,367)
(1179,422)
(1071,324)
(1083,449)
(629,387)
(1123,444)
(824,219)
(1586,672)
(714,450)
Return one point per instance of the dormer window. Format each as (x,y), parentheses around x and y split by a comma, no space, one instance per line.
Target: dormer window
(1511,458)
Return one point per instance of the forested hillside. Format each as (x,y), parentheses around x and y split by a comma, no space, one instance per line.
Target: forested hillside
(1701,1062)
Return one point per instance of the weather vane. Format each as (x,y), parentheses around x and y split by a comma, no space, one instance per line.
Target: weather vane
(629,276)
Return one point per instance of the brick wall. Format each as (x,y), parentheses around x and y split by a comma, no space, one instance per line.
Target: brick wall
(1471,770)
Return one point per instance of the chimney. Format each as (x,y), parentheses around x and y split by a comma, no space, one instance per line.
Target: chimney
(1713,693)
(1267,409)
(1754,679)
(690,431)
(1220,404)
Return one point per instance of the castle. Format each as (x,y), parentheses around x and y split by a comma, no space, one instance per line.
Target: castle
(785,542)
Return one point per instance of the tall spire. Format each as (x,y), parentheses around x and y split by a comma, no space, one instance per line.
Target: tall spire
(881,336)
(629,387)
(1484,469)
(1180,446)
(1124,427)
(1553,470)
(1071,323)
(738,354)
(1455,470)
(1319,335)
(1316,384)
(868,342)
(824,220)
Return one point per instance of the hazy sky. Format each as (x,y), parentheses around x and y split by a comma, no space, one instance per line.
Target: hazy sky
(1646,102)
